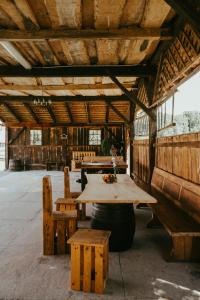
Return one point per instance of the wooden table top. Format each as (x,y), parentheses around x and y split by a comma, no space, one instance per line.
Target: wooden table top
(123,191)
(102,165)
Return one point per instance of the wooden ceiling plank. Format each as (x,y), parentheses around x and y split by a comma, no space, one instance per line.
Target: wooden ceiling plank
(79,71)
(133,98)
(11,111)
(118,112)
(78,98)
(86,34)
(186,11)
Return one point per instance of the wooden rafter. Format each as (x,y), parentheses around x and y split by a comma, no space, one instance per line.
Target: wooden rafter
(186,11)
(78,98)
(67,87)
(32,113)
(133,98)
(118,112)
(16,136)
(51,113)
(107,113)
(11,111)
(86,34)
(79,71)
(69,112)
(87,108)
(61,124)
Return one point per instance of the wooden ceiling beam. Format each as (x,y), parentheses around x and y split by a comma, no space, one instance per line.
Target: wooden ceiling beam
(69,112)
(61,124)
(51,113)
(87,108)
(32,113)
(133,98)
(118,112)
(78,98)
(107,113)
(12,112)
(67,87)
(80,71)
(186,11)
(86,34)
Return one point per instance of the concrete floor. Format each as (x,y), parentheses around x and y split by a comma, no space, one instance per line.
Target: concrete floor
(143,272)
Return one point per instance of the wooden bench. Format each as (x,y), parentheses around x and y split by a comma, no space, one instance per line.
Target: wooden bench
(178,209)
(54,165)
(89,260)
(56,224)
(77,158)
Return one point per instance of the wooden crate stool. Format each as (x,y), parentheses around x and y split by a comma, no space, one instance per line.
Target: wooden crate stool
(56,224)
(89,260)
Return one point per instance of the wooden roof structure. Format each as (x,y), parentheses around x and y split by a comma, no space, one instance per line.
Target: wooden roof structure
(91,59)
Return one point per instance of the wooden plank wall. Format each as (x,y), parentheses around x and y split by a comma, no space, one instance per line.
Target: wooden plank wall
(178,155)
(54,148)
(141,159)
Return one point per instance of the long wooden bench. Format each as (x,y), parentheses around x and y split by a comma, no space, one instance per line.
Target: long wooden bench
(77,158)
(178,209)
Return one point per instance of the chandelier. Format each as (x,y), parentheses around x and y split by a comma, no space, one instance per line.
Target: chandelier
(41,101)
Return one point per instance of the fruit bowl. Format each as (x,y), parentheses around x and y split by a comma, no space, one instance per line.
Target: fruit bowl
(108,178)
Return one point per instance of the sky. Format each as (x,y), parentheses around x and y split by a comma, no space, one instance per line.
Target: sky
(187,98)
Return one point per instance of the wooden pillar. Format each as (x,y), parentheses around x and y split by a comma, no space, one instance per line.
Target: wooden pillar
(6,147)
(152,148)
(132,133)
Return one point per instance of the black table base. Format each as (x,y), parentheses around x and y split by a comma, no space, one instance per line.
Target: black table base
(119,219)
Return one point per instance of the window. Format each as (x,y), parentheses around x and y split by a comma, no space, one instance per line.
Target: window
(94,137)
(36,137)
(141,124)
(182,116)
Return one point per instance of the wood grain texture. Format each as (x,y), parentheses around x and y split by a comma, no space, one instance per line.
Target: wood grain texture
(123,191)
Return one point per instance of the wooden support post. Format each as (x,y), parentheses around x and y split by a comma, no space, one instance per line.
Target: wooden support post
(67,193)
(152,148)
(6,148)
(48,228)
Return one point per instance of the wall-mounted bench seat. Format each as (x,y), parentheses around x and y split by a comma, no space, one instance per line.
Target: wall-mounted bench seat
(178,209)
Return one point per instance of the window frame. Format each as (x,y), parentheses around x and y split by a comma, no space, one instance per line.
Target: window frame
(97,134)
(31,139)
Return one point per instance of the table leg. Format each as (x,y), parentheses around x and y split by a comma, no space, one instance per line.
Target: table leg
(83,206)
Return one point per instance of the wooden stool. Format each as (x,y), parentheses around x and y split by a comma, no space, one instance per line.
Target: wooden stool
(89,260)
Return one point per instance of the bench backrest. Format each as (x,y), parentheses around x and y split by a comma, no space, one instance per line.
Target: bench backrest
(79,155)
(102,158)
(182,193)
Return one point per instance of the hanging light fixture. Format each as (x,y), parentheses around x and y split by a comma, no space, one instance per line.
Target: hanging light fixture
(42,101)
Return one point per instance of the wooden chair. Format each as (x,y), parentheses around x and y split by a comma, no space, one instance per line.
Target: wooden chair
(56,224)
(68,202)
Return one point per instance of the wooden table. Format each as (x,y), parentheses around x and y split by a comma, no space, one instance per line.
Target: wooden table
(111,201)
(99,166)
